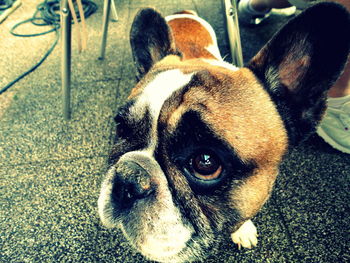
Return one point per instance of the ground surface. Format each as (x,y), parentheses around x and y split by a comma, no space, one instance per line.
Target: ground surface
(51,170)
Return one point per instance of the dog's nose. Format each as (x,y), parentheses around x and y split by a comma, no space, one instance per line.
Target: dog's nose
(131,183)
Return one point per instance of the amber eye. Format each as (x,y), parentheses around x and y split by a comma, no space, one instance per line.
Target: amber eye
(206,166)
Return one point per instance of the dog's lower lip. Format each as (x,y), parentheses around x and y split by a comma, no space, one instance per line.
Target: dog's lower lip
(181,254)
(165,252)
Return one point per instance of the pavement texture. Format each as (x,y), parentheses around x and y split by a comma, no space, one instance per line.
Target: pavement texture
(51,169)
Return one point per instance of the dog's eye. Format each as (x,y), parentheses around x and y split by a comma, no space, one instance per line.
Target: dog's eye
(206,166)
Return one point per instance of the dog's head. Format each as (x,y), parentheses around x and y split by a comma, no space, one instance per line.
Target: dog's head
(199,142)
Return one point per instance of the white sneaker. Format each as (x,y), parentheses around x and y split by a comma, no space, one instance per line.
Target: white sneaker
(335,126)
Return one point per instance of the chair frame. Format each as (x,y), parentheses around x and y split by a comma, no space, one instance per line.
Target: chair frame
(232,26)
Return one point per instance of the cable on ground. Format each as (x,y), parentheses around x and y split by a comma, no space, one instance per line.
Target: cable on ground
(46,14)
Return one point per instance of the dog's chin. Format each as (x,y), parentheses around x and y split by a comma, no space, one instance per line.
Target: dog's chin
(171,246)
(159,237)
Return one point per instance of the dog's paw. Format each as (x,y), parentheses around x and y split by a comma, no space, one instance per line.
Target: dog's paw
(246,236)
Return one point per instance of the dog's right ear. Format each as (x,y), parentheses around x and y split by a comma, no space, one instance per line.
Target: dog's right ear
(301,62)
(150,39)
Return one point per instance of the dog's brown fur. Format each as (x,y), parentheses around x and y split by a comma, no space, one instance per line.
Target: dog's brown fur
(188,101)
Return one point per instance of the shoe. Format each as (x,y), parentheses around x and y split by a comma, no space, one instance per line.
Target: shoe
(248,16)
(335,127)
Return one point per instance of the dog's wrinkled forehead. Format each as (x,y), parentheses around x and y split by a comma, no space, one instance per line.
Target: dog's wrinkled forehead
(227,100)
(159,90)
(148,104)
(168,77)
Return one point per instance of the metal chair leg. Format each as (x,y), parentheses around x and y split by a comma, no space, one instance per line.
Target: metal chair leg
(233,32)
(66,29)
(106,14)
(114,12)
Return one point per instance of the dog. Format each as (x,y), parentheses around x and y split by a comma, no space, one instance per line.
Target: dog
(199,141)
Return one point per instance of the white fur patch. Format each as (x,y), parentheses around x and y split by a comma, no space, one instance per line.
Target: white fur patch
(155,94)
(167,236)
(221,63)
(214,50)
(104,200)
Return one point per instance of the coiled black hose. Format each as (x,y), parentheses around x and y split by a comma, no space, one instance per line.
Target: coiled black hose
(6,4)
(47,14)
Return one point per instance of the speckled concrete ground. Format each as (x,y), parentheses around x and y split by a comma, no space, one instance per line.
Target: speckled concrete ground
(51,170)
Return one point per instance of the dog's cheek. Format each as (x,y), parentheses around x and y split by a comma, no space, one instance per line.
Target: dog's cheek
(254,191)
(220,212)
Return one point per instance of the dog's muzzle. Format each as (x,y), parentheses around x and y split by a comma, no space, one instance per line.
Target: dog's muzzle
(127,183)
(131,183)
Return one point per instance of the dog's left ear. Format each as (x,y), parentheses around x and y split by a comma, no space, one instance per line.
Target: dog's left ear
(300,64)
(151,40)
